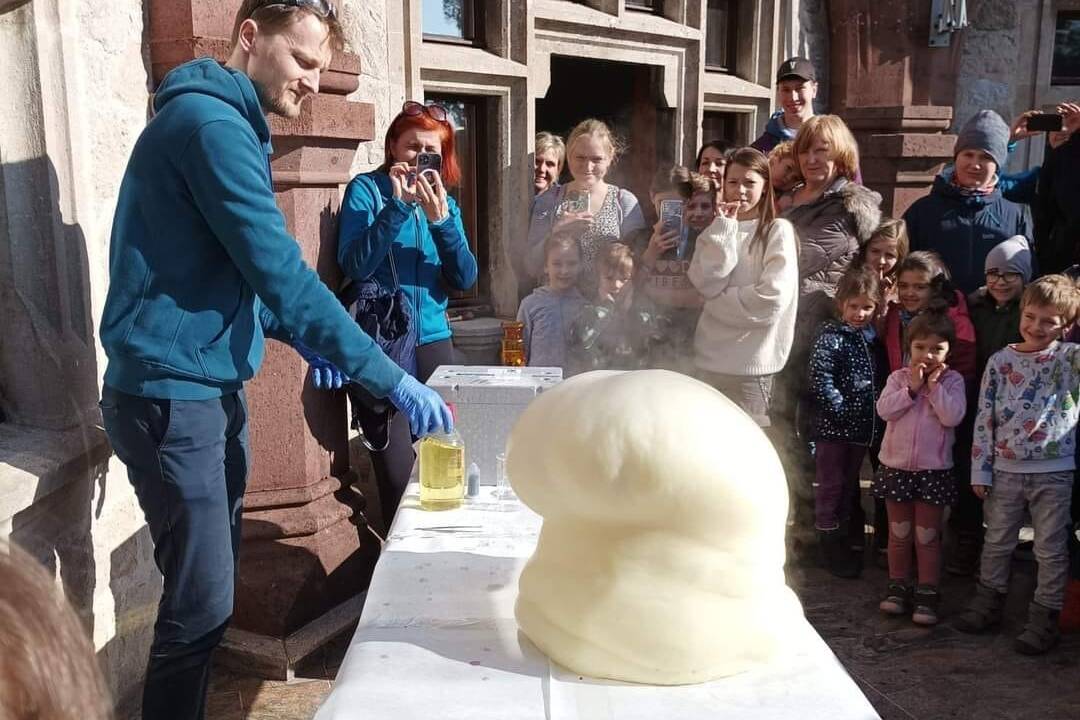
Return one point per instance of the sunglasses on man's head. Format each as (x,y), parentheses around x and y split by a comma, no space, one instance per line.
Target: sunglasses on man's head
(323,8)
(433,110)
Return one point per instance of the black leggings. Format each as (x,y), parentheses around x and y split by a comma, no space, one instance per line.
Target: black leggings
(393,466)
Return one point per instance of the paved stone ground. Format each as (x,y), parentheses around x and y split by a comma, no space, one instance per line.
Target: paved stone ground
(911,672)
(907,672)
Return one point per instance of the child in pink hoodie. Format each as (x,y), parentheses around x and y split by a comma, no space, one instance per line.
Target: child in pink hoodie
(921,403)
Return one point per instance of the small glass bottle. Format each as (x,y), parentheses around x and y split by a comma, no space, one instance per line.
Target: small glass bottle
(442,470)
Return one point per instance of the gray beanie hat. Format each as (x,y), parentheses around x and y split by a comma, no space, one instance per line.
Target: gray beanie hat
(1012,255)
(985,131)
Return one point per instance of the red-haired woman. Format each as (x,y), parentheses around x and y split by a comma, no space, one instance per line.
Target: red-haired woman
(393,213)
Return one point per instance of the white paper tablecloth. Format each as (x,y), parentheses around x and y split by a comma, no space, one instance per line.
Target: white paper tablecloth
(438,640)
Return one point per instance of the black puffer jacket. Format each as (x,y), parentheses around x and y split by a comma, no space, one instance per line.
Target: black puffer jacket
(1057,209)
(844,385)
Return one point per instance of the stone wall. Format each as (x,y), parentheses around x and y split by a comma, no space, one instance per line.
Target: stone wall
(78,104)
(998,65)
(369,35)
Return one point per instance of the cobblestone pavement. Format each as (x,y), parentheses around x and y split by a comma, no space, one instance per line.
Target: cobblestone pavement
(911,672)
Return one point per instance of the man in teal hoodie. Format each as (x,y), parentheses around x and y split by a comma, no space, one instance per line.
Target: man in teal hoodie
(201,269)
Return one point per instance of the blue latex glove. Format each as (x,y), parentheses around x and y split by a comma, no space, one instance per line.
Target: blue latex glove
(324,375)
(426,411)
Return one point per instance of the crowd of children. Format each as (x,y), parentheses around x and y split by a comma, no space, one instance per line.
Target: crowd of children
(966,405)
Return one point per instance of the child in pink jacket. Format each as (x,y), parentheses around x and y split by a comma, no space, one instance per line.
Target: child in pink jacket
(922,404)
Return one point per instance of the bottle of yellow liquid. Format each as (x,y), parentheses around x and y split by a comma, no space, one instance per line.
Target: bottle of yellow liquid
(442,470)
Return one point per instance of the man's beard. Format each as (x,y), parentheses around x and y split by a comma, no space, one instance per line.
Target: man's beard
(275,104)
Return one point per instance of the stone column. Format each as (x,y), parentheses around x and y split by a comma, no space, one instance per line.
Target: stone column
(895,93)
(305,559)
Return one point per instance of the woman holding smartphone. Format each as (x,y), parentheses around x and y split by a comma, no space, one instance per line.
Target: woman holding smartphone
(399,226)
(595,211)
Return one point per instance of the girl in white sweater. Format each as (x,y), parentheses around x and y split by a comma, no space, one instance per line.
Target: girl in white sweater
(746,268)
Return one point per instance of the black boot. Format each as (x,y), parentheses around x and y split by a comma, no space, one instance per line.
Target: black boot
(983,612)
(837,554)
(1041,633)
(897,600)
(926,601)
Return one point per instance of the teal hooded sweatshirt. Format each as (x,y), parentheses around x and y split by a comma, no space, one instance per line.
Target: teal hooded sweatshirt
(201,265)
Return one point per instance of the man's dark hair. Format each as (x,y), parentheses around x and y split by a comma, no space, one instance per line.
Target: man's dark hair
(274,16)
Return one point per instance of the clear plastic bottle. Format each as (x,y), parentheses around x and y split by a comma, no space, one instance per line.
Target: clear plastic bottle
(442,470)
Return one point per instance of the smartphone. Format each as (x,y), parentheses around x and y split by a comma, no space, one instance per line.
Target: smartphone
(670,215)
(426,161)
(575,202)
(671,218)
(1044,122)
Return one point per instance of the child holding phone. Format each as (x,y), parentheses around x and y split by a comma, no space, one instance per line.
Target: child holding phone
(666,260)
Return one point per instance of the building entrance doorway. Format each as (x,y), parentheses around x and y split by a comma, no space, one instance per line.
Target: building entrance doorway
(626,97)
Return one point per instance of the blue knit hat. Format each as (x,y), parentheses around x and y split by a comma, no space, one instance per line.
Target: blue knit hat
(985,131)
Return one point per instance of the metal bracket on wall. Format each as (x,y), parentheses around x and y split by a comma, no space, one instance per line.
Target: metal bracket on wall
(946,17)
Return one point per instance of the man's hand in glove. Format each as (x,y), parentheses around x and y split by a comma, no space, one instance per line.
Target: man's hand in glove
(324,375)
(426,411)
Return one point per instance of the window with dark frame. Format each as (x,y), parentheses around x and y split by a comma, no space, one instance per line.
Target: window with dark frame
(652,6)
(468,115)
(720,35)
(452,21)
(1065,69)
(720,126)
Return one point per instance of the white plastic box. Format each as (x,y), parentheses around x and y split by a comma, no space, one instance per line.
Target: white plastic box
(488,401)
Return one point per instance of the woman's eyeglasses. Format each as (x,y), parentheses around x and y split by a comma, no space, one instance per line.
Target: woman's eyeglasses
(323,8)
(993,276)
(433,110)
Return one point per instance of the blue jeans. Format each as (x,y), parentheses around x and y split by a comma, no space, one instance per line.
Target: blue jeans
(1047,497)
(188,462)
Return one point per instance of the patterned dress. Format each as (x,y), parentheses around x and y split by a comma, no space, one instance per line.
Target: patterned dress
(605,228)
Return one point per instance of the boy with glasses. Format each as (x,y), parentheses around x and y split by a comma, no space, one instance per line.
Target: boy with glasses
(995,314)
(995,307)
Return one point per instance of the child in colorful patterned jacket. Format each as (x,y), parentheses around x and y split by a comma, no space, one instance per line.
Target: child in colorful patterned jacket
(1023,458)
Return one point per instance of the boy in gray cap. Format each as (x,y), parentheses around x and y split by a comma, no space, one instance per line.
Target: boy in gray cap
(965,215)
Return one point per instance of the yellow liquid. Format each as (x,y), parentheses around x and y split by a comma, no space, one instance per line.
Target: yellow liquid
(442,473)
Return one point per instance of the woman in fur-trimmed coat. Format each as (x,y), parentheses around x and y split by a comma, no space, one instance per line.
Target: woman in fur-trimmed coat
(832,216)
(830,230)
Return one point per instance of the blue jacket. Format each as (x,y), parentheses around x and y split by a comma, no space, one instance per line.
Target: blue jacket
(775,133)
(200,261)
(844,384)
(1020,187)
(963,228)
(428,256)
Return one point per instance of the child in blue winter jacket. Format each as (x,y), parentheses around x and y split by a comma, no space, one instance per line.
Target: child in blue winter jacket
(844,388)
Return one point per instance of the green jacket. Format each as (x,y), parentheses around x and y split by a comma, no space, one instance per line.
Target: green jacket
(995,327)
